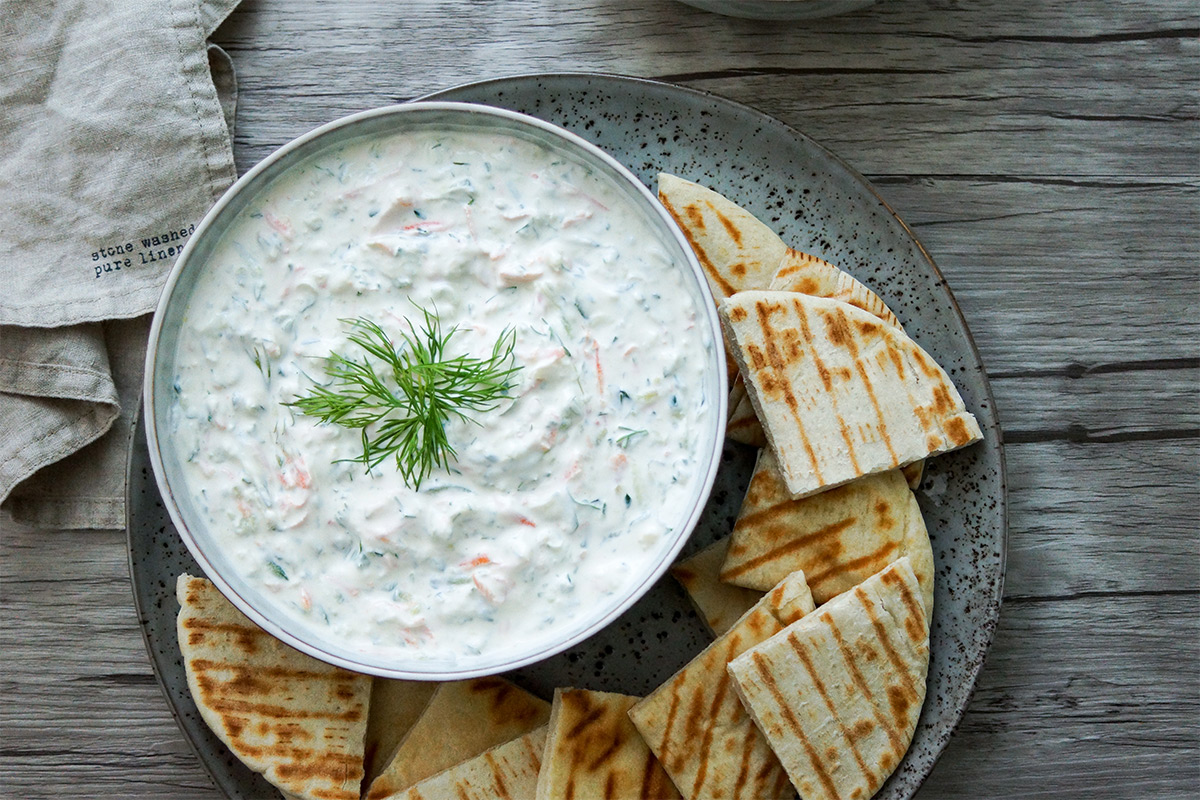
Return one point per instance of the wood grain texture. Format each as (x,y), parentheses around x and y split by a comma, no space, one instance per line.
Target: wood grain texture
(1046,156)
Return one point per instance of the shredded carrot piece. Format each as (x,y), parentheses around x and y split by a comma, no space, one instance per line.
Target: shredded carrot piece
(599,369)
(477,561)
(526,521)
(487,595)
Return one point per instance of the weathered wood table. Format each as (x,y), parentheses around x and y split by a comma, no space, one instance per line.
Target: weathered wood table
(1045,154)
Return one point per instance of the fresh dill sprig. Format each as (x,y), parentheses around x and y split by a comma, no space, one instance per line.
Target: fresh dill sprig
(407,416)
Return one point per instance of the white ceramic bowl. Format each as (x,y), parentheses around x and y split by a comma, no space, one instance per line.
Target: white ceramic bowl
(780,9)
(161,367)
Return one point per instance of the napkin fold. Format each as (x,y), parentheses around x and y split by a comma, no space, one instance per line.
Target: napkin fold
(116,121)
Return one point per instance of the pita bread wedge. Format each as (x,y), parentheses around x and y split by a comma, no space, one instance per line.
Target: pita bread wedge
(395,707)
(839,537)
(838,693)
(508,770)
(807,274)
(593,751)
(297,721)
(462,719)
(840,394)
(697,728)
(735,249)
(719,604)
(742,424)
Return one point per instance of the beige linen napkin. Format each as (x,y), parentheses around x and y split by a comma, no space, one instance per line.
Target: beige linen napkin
(115,138)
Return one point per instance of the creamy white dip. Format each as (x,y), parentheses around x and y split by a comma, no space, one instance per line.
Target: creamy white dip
(558,497)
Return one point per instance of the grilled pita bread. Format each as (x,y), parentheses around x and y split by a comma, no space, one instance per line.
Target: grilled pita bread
(697,728)
(462,719)
(736,250)
(807,274)
(839,537)
(719,604)
(742,424)
(840,394)
(395,707)
(508,771)
(838,693)
(593,751)
(298,721)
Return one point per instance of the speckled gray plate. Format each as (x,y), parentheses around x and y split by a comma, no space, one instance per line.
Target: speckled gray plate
(818,204)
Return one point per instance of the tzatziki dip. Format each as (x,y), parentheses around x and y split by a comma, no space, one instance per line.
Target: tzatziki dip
(558,496)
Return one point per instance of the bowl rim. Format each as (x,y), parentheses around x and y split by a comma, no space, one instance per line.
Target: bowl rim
(710,456)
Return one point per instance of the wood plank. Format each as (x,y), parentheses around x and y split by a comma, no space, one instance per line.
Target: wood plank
(1086,88)
(1103,402)
(1098,687)
(1050,274)
(1093,697)
(83,715)
(1088,518)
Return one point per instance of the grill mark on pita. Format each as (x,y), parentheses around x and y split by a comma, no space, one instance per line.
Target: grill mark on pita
(868,561)
(861,683)
(695,220)
(930,369)
(789,398)
(814,758)
(956,429)
(747,752)
(914,607)
(248,637)
(727,223)
(652,787)
(786,548)
(806,329)
(893,354)
(497,776)
(267,709)
(814,676)
(585,723)
(322,765)
(245,676)
(852,345)
(462,792)
(672,710)
(706,744)
(881,632)
(606,755)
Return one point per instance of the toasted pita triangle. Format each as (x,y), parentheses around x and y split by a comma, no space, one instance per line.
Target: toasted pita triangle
(807,274)
(838,693)
(697,728)
(736,250)
(719,604)
(840,394)
(593,751)
(297,721)
(839,537)
(508,770)
(462,719)
(395,707)
(742,424)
